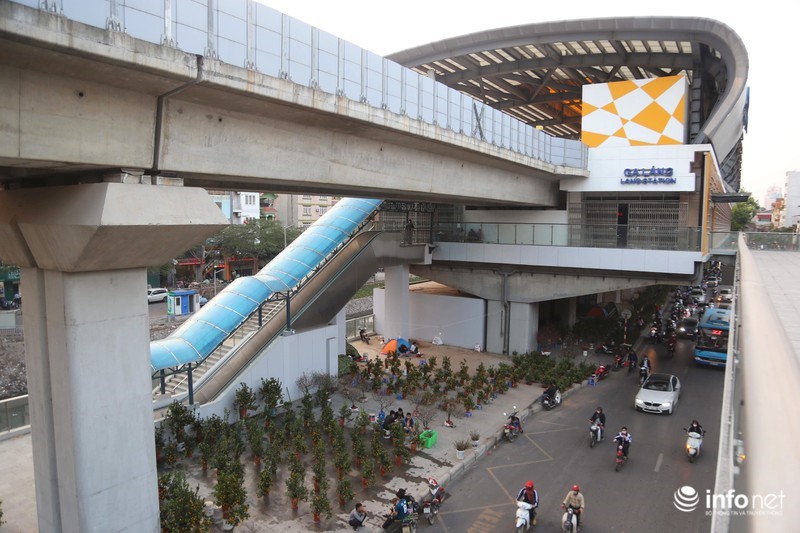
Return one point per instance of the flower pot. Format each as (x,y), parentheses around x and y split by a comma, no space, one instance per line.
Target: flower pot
(242,413)
(414,446)
(398,460)
(364,482)
(317,517)
(460,454)
(475,443)
(294,504)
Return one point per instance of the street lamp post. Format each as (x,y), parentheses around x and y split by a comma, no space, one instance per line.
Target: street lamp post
(284,234)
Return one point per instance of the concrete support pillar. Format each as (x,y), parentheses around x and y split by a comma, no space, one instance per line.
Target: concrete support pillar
(572,314)
(83,250)
(524,326)
(495,318)
(396,302)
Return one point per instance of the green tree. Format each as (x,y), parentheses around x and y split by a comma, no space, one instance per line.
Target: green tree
(262,239)
(742,213)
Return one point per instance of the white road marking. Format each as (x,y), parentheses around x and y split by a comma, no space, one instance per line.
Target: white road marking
(658,462)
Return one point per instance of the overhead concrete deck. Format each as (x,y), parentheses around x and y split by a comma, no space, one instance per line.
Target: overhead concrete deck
(87,101)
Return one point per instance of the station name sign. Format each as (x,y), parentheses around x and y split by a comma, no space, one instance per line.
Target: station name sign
(648,176)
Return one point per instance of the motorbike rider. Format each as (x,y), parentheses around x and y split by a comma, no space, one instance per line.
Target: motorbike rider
(551,392)
(695,427)
(632,360)
(574,499)
(600,418)
(644,368)
(514,420)
(623,439)
(400,510)
(531,496)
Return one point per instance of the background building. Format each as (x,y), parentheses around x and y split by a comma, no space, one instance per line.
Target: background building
(791,208)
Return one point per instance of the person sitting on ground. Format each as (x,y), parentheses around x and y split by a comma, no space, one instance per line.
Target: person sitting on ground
(403,349)
(363,334)
(389,420)
(408,423)
(414,349)
(357,516)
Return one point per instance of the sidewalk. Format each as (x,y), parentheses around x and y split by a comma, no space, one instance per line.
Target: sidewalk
(439,462)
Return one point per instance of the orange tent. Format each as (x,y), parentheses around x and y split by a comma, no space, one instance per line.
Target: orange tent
(389,347)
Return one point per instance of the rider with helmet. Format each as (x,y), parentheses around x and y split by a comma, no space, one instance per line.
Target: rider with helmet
(623,439)
(574,500)
(529,495)
(599,417)
(695,427)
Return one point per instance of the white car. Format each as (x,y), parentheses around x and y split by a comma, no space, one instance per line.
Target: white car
(157,295)
(725,295)
(659,394)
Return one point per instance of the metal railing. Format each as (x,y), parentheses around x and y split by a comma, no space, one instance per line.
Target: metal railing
(256,37)
(14,413)
(576,235)
(354,325)
(785,242)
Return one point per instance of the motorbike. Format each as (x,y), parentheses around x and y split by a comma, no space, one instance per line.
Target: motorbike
(548,402)
(693,442)
(643,374)
(620,459)
(569,522)
(602,372)
(595,432)
(619,362)
(430,506)
(523,515)
(671,345)
(655,334)
(606,348)
(510,430)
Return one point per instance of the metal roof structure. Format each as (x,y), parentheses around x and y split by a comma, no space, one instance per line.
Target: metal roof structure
(536,72)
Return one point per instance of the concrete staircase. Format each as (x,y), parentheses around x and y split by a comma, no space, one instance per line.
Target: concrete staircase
(178,384)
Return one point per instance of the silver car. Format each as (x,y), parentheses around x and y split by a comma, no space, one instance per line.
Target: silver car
(659,394)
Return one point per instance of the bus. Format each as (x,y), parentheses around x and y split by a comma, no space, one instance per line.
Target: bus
(711,346)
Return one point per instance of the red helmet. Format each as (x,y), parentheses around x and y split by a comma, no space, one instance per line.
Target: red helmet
(576,488)
(529,484)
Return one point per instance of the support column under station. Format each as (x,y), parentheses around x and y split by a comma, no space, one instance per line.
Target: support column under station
(84,250)
(396,301)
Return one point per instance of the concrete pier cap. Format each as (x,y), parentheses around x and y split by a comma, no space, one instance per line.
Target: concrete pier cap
(83,250)
(103,226)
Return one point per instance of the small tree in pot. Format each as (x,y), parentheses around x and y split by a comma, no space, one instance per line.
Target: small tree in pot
(244,400)
(231,494)
(181,508)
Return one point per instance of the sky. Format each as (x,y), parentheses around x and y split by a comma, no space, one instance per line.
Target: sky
(768,29)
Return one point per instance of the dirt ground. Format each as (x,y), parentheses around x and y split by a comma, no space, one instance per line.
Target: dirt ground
(13,377)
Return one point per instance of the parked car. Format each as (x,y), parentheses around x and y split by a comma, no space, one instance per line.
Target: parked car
(659,394)
(157,295)
(687,329)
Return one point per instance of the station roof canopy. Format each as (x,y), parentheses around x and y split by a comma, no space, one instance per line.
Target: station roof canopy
(535,72)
